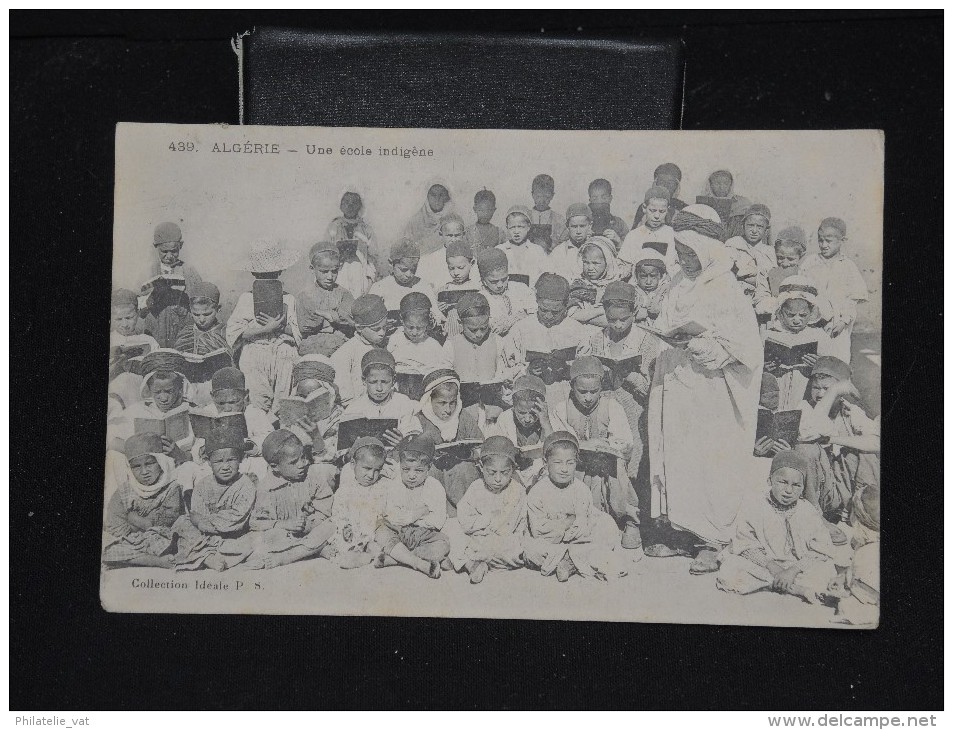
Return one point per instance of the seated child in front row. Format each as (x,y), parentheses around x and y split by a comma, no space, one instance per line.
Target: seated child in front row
(359,503)
(292,513)
(491,517)
(567,534)
(781,542)
(145,504)
(510,301)
(414,512)
(214,534)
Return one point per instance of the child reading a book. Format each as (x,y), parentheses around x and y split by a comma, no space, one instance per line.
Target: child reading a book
(601,425)
(369,315)
(205,334)
(523,257)
(780,542)
(789,249)
(490,527)
(145,503)
(125,343)
(526,424)
(433,266)
(838,280)
(600,267)
(359,503)
(542,217)
(163,391)
(404,259)
(719,195)
(265,345)
(654,225)
(509,301)
(414,512)
(380,399)
(444,421)
(354,239)
(414,348)
(604,223)
(483,234)
(168,309)
(312,376)
(752,254)
(291,518)
(213,533)
(460,262)
(564,258)
(668,176)
(324,309)
(567,534)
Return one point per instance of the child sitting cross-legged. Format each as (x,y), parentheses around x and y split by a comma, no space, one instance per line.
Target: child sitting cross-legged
(359,503)
(414,512)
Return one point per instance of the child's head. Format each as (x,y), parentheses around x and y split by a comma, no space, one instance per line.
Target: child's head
(656,206)
(579,223)
(474,311)
(494,270)
(367,455)
(552,299)
(351,205)
(204,305)
(377,370)
(416,455)
(167,240)
(166,388)
(404,258)
(369,314)
(442,389)
(619,304)
(497,463)
(668,175)
(790,247)
(452,228)
(228,391)
(688,260)
(518,223)
(797,304)
(484,205)
(528,391)
(788,472)
(225,462)
(415,316)
(831,234)
(459,260)
(542,190)
(755,224)
(649,273)
(285,455)
(561,450)
(721,182)
(437,197)
(141,451)
(325,263)
(826,371)
(123,312)
(585,376)
(600,195)
(312,371)
(593,256)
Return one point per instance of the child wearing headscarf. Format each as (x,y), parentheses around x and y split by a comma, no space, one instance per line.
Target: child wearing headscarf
(164,394)
(509,301)
(424,227)
(780,541)
(650,274)
(324,308)
(358,270)
(524,257)
(599,267)
(145,503)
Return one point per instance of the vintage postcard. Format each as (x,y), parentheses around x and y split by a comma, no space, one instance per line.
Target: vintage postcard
(589,375)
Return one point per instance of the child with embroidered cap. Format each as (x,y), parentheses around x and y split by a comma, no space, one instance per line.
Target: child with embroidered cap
(404,260)
(564,258)
(509,301)
(369,315)
(751,251)
(324,308)
(567,534)
(359,503)
(490,525)
(145,502)
(380,399)
(838,280)
(667,176)
(653,226)
(414,513)
(543,190)
(357,269)
(292,512)
(412,345)
(165,318)
(265,347)
(212,534)
(205,333)
(526,424)
(483,234)
(523,257)
(780,542)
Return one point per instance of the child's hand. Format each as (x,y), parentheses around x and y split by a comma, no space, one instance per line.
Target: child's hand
(638,382)
(444,307)
(764,446)
(784,580)
(772,366)
(391,437)
(572,533)
(542,413)
(654,311)
(781,445)
(810,360)
(641,314)
(271,324)
(835,327)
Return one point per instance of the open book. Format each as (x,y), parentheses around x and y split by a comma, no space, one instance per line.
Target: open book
(598,463)
(410,384)
(204,424)
(165,290)
(462,450)
(174,426)
(788,356)
(268,297)
(453,296)
(521,278)
(489,394)
(316,406)
(678,335)
(618,370)
(778,425)
(353,429)
(551,366)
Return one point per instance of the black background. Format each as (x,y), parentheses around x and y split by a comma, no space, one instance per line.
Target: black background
(74,75)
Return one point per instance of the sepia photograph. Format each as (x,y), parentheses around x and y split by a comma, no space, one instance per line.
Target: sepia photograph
(575,375)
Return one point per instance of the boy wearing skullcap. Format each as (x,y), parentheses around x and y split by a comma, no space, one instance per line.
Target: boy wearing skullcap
(668,175)
(490,526)
(483,234)
(379,399)
(165,318)
(359,503)
(526,424)
(164,394)
(358,271)
(509,301)
(564,258)
(653,226)
(542,191)
(752,251)
(404,260)
(838,280)
(433,266)
(204,334)
(414,513)
(781,542)
(523,257)
(790,245)
(415,350)
(291,518)
(369,314)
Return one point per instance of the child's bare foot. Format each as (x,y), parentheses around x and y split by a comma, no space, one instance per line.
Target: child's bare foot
(434,569)
(216,562)
(446,564)
(260,561)
(565,569)
(328,552)
(477,570)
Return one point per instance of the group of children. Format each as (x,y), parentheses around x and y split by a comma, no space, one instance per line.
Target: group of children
(513,368)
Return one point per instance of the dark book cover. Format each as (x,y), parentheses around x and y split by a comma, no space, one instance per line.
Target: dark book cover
(201,368)
(489,394)
(205,425)
(410,384)
(778,425)
(350,431)
(521,278)
(541,233)
(453,296)
(268,295)
(598,463)
(722,206)
(618,370)
(788,355)
(551,366)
